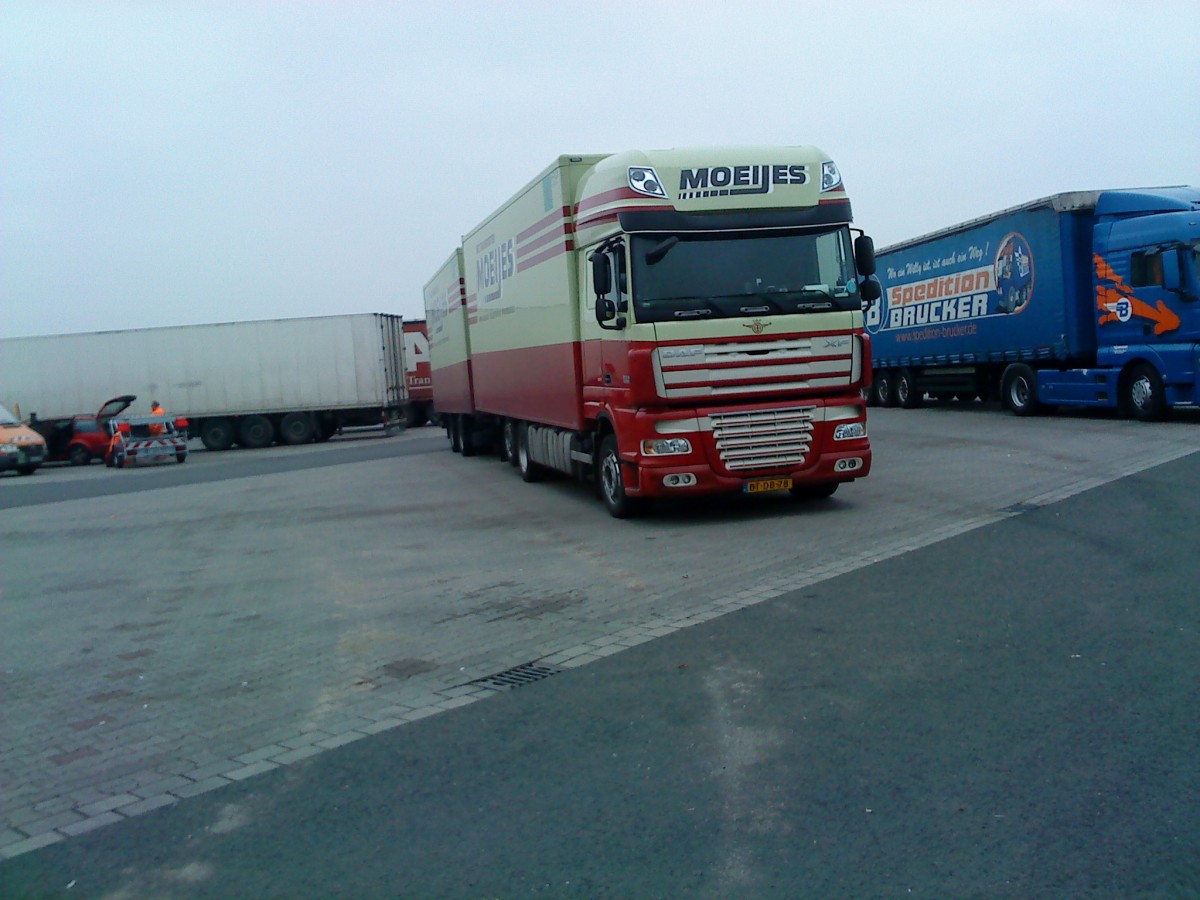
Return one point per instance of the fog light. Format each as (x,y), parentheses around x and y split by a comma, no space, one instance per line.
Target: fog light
(850,430)
(666,446)
(847,465)
(680,479)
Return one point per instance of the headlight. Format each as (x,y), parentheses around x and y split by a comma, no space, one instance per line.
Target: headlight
(8,448)
(831,178)
(666,446)
(849,431)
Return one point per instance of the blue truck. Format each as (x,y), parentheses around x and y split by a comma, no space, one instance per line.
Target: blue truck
(1084,299)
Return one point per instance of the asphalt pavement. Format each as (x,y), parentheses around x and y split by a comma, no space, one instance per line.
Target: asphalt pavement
(1008,713)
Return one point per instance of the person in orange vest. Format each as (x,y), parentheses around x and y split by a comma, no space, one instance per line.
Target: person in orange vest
(156,409)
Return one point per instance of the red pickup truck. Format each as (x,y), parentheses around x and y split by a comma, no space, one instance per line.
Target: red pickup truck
(80,439)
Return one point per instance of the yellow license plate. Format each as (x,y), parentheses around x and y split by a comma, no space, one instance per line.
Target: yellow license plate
(767,484)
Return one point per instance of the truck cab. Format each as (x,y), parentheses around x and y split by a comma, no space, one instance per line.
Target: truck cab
(21,448)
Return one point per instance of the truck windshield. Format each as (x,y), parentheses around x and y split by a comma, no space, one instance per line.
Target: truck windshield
(729,275)
(7,418)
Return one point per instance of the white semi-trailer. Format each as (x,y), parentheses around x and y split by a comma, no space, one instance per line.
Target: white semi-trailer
(244,383)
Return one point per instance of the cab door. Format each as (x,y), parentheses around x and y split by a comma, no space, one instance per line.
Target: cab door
(605,344)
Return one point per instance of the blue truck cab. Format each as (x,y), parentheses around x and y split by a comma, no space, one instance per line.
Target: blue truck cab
(1084,299)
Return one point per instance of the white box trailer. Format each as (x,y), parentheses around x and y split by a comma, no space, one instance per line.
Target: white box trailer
(245,383)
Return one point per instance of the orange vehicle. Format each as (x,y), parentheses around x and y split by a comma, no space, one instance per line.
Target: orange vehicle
(21,447)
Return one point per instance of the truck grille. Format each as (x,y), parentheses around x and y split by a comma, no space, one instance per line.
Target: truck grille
(740,368)
(763,439)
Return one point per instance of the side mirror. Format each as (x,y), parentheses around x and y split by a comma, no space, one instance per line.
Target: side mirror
(606,310)
(864,255)
(601,274)
(870,290)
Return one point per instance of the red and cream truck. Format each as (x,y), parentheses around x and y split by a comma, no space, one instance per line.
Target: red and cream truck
(667,323)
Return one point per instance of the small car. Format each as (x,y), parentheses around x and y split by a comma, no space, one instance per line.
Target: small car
(80,439)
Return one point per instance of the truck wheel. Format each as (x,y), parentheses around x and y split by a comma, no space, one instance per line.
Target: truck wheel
(79,455)
(216,434)
(530,471)
(1143,395)
(454,432)
(908,395)
(466,431)
(885,388)
(180,457)
(611,480)
(297,428)
(255,432)
(1019,390)
(26,470)
(508,441)
(814,491)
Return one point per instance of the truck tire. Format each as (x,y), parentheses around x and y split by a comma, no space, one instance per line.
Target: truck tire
(814,491)
(610,478)
(255,432)
(297,428)
(885,387)
(79,455)
(216,434)
(530,471)
(26,470)
(1142,395)
(1019,390)
(466,430)
(454,432)
(908,395)
(508,442)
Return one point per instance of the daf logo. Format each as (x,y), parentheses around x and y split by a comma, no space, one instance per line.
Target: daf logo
(645,180)
(757,326)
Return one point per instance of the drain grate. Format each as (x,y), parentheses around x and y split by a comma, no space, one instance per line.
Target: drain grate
(517,676)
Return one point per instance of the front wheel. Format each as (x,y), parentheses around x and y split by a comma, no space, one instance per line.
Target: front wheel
(1144,397)
(1019,390)
(814,491)
(611,480)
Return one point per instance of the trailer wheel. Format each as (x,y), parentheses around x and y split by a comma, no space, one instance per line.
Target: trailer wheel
(530,471)
(454,432)
(216,434)
(611,480)
(79,455)
(885,388)
(1019,390)
(297,428)
(255,432)
(1143,394)
(908,395)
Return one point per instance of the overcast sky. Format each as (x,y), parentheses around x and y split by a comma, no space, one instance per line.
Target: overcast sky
(167,163)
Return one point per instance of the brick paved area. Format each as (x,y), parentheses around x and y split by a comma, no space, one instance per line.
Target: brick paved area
(160,645)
